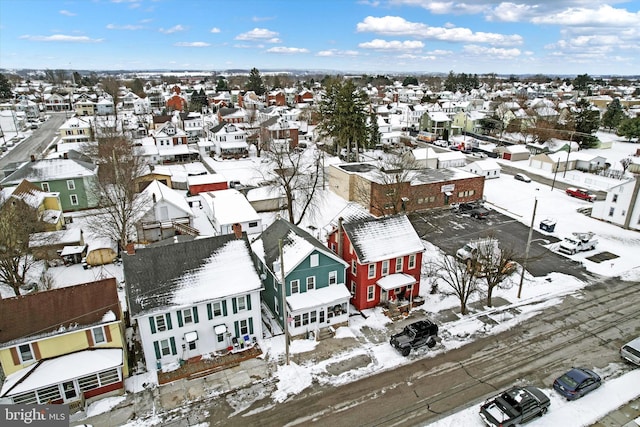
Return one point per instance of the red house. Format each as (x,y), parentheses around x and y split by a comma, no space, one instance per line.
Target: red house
(385,259)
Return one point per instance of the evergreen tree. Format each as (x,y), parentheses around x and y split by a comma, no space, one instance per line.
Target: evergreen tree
(344,116)
(374,130)
(5,87)
(586,120)
(255,82)
(410,81)
(614,115)
(630,128)
(221,84)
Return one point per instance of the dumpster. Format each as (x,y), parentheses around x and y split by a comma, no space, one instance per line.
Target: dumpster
(548,225)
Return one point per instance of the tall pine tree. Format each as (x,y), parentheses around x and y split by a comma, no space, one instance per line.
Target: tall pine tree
(255,82)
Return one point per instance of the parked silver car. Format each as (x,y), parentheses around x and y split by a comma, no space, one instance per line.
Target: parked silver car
(631,351)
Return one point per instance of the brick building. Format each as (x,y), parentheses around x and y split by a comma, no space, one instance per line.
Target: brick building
(387,192)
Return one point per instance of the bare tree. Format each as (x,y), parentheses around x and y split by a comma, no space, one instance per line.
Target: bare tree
(493,267)
(119,202)
(388,191)
(18,220)
(297,175)
(112,87)
(460,280)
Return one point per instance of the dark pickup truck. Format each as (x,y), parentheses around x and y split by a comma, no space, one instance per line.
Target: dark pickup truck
(415,335)
(514,406)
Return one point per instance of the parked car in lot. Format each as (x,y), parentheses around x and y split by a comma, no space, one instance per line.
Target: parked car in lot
(514,406)
(415,335)
(631,351)
(577,382)
(479,213)
(522,177)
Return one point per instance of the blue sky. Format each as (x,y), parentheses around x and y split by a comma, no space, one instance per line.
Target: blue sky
(366,36)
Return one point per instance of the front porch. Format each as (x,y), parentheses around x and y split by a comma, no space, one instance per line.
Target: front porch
(401,307)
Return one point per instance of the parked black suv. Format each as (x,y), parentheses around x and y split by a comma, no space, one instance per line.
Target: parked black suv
(418,334)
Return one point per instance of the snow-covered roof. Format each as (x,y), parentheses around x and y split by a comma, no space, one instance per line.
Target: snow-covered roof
(230,206)
(379,239)
(395,281)
(187,273)
(486,164)
(51,170)
(53,371)
(210,178)
(159,192)
(320,297)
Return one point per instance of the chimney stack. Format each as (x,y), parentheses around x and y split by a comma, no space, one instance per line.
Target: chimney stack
(339,237)
(33,158)
(237,230)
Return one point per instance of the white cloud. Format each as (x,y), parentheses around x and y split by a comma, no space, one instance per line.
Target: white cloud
(192,44)
(259,34)
(398,26)
(262,18)
(61,38)
(444,7)
(491,52)
(510,12)
(605,15)
(337,52)
(67,13)
(392,45)
(174,29)
(287,50)
(215,30)
(124,27)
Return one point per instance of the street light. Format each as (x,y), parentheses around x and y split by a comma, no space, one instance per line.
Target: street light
(526,252)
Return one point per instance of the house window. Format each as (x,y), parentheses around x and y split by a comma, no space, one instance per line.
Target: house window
(398,264)
(71,184)
(297,321)
(611,210)
(385,267)
(98,335)
(412,261)
(354,267)
(25,353)
(241,303)
(371,292)
(305,318)
(333,277)
(253,224)
(187,315)
(311,282)
(74,199)
(165,348)
(161,324)
(353,288)
(243,326)
(615,198)
(217,308)
(314,260)
(45,186)
(295,286)
(276,304)
(372,271)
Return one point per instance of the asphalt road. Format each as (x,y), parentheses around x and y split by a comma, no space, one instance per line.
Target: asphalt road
(35,144)
(584,330)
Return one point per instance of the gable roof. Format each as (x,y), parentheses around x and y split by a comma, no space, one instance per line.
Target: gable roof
(297,244)
(187,273)
(378,239)
(51,170)
(157,191)
(58,310)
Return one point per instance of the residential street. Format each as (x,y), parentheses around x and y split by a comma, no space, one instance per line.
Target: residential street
(583,330)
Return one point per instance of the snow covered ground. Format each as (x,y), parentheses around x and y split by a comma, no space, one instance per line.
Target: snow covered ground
(512,197)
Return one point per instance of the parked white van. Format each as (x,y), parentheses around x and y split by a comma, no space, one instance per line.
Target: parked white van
(631,351)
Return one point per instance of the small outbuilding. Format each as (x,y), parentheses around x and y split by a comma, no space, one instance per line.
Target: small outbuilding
(101,251)
(487,168)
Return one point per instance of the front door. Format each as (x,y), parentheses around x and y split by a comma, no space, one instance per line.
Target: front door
(69,389)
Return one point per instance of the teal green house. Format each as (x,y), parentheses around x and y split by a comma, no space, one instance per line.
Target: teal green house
(316,297)
(71,178)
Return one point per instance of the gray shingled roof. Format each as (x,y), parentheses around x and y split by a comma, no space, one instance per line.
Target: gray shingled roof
(154,275)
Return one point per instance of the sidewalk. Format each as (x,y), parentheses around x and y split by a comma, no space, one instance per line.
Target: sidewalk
(626,416)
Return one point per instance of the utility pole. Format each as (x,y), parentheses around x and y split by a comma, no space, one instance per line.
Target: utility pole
(285,315)
(526,252)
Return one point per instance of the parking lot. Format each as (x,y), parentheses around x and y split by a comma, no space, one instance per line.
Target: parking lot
(450,230)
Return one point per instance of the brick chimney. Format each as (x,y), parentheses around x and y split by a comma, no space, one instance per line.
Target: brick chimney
(339,236)
(33,158)
(237,230)
(130,248)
